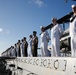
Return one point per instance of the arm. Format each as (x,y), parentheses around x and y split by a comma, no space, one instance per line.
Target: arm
(60,30)
(48,37)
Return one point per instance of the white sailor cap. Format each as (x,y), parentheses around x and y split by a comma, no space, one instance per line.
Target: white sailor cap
(53,18)
(73,6)
(42,27)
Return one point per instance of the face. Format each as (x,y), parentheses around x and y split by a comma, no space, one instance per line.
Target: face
(34,34)
(54,21)
(74,9)
(30,36)
(42,29)
(22,40)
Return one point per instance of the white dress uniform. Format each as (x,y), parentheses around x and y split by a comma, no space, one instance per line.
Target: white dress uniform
(56,32)
(12,52)
(72,30)
(22,49)
(30,48)
(44,44)
(18,51)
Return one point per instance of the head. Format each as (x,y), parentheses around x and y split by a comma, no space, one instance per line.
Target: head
(54,21)
(42,28)
(34,33)
(74,8)
(24,39)
(11,47)
(15,44)
(30,36)
(18,41)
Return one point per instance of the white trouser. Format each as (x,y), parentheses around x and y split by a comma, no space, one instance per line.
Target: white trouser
(73,46)
(55,47)
(44,49)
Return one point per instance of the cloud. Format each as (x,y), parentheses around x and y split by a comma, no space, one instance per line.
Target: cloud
(39,3)
(4,31)
(1,30)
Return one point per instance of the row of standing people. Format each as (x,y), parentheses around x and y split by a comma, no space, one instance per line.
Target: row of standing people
(21,48)
(56,33)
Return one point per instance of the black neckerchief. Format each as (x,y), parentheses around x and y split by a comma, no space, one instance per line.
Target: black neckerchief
(73,17)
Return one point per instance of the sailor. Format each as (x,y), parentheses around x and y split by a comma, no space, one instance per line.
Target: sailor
(22,48)
(15,48)
(44,42)
(9,52)
(34,44)
(72,30)
(19,48)
(12,51)
(25,46)
(56,32)
(30,46)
